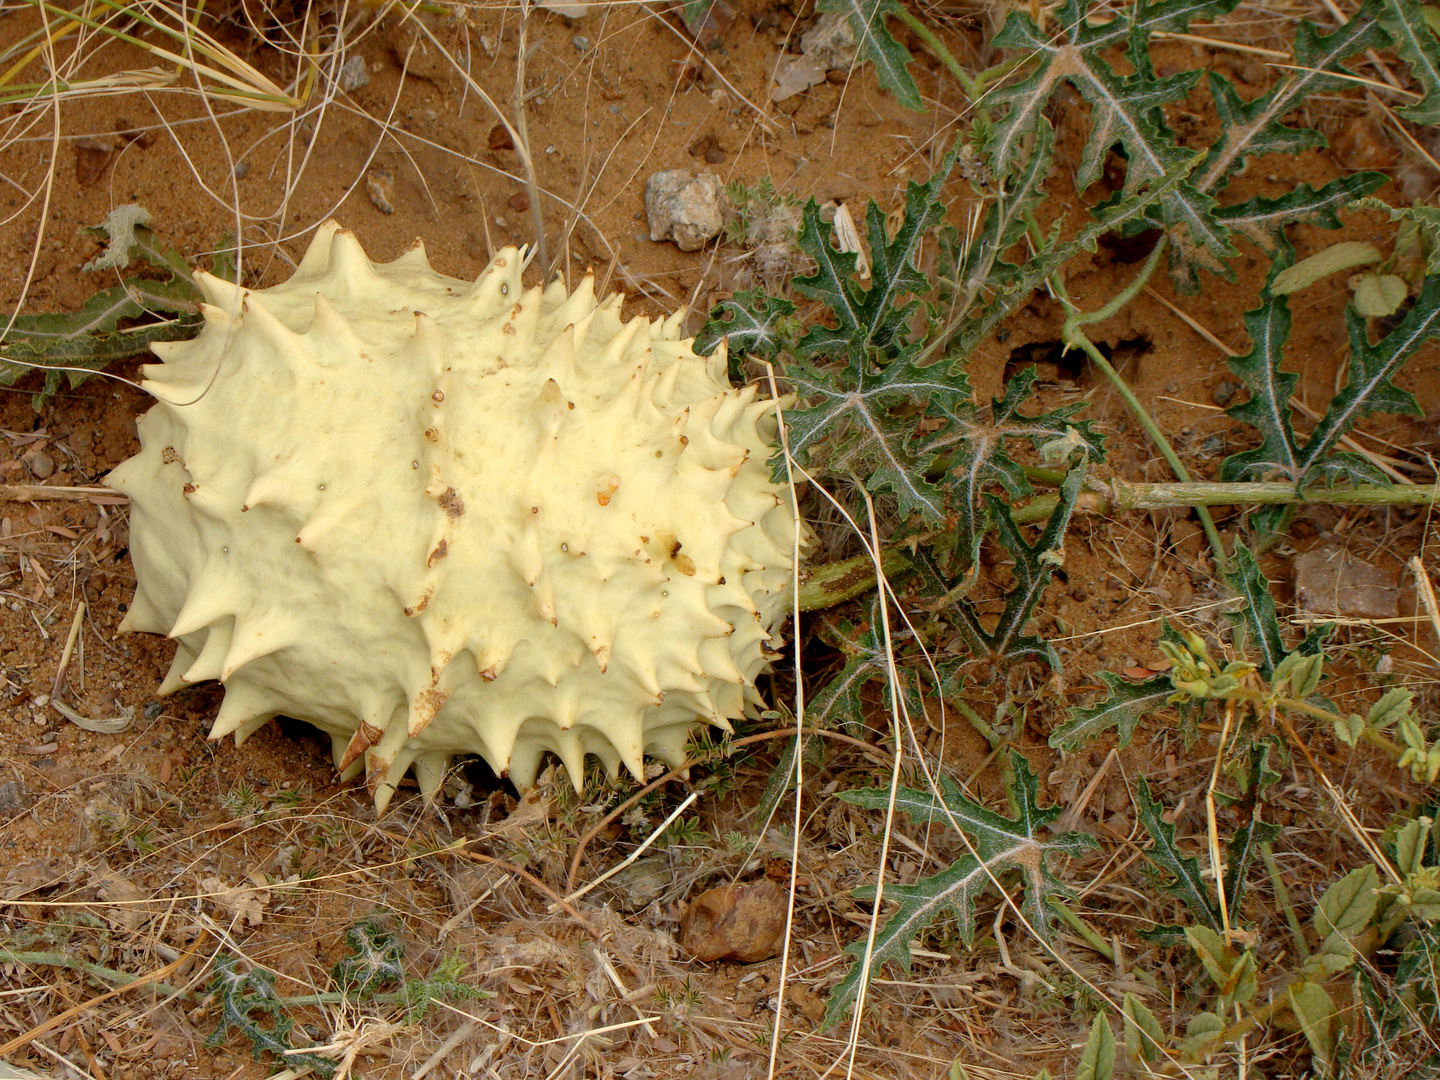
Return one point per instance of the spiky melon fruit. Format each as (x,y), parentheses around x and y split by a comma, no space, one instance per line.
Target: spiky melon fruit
(432,517)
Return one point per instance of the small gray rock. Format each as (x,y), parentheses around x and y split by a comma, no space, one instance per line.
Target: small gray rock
(641,883)
(683,207)
(42,466)
(581,43)
(12,795)
(1331,581)
(354,74)
(830,43)
(1223,394)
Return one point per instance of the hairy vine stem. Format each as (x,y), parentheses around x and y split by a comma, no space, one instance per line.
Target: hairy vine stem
(833,583)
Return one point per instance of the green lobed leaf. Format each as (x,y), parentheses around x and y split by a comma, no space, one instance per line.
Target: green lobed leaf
(1185,880)
(1010,285)
(1007,637)
(1002,844)
(1329,260)
(867,22)
(1405,23)
(1122,709)
(1144,1037)
(1316,1012)
(861,386)
(1252,128)
(1348,906)
(839,704)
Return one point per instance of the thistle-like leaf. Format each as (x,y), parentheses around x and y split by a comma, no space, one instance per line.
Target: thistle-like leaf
(376,959)
(1412,38)
(1122,709)
(839,704)
(867,23)
(1007,637)
(1000,845)
(865,421)
(1125,110)
(875,320)
(1282,453)
(1256,616)
(1262,220)
(862,391)
(93,338)
(249,1008)
(972,446)
(1252,128)
(1184,879)
(753,323)
(1010,284)
(1240,853)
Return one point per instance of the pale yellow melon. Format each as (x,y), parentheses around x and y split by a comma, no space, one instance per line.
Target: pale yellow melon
(434,517)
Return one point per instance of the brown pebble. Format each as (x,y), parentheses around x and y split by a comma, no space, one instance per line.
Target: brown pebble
(735,922)
(42,466)
(519,202)
(500,138)
(1363,143)
(92,160)
(380,185)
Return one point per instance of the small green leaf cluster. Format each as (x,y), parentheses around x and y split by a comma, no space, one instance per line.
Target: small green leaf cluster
(1395,709)
(375,960)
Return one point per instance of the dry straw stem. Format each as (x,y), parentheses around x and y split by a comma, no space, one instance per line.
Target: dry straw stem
(149,979)
(200,55)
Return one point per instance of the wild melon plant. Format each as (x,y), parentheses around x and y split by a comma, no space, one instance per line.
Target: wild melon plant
(880,369)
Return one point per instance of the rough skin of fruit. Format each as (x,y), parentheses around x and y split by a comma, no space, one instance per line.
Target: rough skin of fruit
(434,517)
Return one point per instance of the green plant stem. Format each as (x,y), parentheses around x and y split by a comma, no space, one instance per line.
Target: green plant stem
(829,584)
(1282,897)
(1085,930)
(1201,493)
(1074,336)
(1369,734)
(1076,318)
(1263,701)
(833,583)
(104,974)
(927,37)
(981,725)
